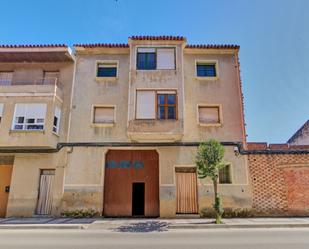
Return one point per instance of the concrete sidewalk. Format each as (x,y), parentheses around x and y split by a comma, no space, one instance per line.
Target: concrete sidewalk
(149,225)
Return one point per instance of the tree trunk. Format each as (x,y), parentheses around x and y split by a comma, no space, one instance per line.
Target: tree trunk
(217,204)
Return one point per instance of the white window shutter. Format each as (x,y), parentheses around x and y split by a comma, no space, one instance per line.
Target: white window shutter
(20,110)
(145,105)
(104,115)
(36,111)
(165,58)
(1,109)
(58,116)
(209,115)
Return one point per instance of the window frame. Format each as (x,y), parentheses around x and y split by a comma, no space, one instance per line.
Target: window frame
(107,62)
(1,111)
(93,124)
(24,124)
(207,62)
(59,121)
(156,103)
(156,57)
(230,175)
(12,72)
(219,106)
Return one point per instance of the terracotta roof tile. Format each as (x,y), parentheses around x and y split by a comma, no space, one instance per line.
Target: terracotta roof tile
(213,46)
(158,38)
(35,46)
(103,45)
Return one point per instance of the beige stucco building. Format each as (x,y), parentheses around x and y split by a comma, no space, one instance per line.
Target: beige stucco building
(131,118)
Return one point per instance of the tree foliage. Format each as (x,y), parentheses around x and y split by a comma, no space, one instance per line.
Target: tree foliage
(209,159)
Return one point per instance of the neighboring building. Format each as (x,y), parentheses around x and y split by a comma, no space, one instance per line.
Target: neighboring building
(35,90)
(123,141)
(301,137)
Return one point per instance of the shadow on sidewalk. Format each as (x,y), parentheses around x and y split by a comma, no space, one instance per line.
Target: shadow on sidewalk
(143,227)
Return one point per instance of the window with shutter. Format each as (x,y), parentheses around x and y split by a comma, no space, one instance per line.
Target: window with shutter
(29,117)
(165,58)
(145,105)
(209,115)
(104,115)
(56,122)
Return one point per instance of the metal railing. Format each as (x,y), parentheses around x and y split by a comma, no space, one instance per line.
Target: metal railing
(23,82)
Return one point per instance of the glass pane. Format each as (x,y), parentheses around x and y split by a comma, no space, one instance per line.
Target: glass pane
(206,70)
(161,112)
(146,61)
(171,99)
(141,60)
(151,61)
(107,72)
(171,112)
(161,99)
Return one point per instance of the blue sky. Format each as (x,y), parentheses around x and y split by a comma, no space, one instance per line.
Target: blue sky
(273,35)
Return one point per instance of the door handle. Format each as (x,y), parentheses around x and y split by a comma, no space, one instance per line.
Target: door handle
(7,189)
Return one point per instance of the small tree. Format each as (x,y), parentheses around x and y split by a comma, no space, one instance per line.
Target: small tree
(209,161)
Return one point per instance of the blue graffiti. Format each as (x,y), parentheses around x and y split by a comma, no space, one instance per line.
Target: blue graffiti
(124,164)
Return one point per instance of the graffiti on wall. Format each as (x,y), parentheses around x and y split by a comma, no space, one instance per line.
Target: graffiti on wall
(124,164)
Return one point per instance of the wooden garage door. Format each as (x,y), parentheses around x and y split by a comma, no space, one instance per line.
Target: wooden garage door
(123,168)
(186,192)
(5,181)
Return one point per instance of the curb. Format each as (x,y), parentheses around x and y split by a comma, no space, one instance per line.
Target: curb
(43,226)
(220,226)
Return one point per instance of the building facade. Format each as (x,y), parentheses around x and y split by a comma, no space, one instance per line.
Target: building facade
(119,130)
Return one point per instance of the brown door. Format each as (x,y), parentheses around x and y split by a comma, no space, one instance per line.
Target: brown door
(186,192)
(5,181)
(131,173)
(45,199)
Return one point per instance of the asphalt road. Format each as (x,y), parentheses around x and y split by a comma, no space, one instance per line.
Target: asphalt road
(194,239)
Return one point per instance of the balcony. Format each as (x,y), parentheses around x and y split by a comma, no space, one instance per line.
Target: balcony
(43,87)
(155,130)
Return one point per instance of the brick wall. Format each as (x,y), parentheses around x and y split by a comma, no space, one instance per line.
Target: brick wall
(280,182)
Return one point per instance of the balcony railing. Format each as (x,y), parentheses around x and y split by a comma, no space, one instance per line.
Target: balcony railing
(22,82)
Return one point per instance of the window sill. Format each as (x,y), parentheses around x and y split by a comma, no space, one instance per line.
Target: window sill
(27,131)
(56,134)
(106,78)
(154,70)
(207,78)
(210,125)
(103,125)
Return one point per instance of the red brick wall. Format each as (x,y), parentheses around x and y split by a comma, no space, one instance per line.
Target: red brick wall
(280,183)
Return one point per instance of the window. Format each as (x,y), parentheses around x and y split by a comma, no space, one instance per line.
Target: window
(104,115)
(146,105)
(6,78)
(166,106)
(29,117)
(107,69)
(155,58)
(146,58)
(152,104)
(209,115)
(225,174)
(56,122)
(50,77)
(1,111)
(206,69)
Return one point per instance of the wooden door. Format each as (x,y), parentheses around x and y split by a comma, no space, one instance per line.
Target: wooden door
(186,193)
(122,169)
(5,181)
(45,198)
